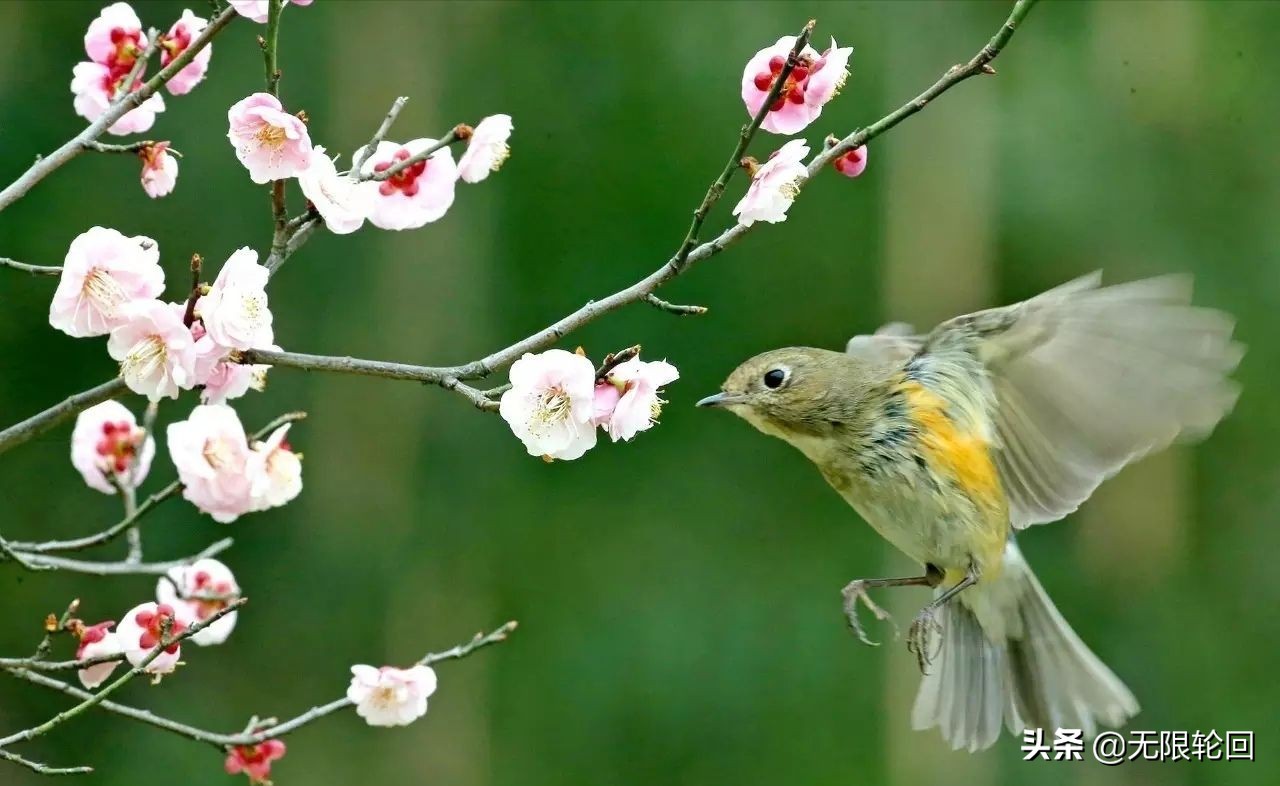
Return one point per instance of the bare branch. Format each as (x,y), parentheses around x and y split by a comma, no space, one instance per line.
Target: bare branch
(378,136)
(35,270)
(455,134)
(43,769)
(673,308)
(125,567)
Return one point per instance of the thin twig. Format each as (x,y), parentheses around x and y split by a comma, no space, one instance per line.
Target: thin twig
(123,567)
(43,769)
(454,135)
(189,313)
(53,626)
(673,308)
(35,270)
(131,148)
(358,160)
(615,359)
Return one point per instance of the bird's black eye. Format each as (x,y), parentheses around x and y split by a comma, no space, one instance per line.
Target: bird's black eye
(774,377)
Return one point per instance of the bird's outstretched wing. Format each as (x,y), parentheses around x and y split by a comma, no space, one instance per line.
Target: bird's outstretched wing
(1084,379)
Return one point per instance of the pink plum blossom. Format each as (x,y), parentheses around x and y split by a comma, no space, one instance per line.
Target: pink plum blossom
(389,696)
(343,203)
(103,272)
(214,462)
(277,471)
(774,185)
(853,163)
(415,196)
(115,38)
(159,170)
(627,400)
(255,760)
(96,86)
(235,312)
(197,592)
(814,81)
(551,404)
(142,628)
(97,641)
(175,42)
(256,10)
(487,149)
(109,449)
(230,380)
(156,351)
(272,144)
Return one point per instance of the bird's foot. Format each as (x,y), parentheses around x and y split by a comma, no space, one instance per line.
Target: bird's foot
(920,638)
(856,591)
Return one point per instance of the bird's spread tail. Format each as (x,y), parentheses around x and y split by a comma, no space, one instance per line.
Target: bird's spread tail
(1034,672)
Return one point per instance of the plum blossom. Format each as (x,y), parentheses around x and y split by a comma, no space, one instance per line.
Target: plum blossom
(96,86)
(277,471)
(271,143)
(230,380)
(159,170)
(214,462)
(235,311)
(342,202)
(415,196)
(115,37)
(487,148)
(103,272)
(97,641)
(551,404)
(389,696)
(175,42)
(142,628)
(627,400)
(774,185)
(109,449)
(156,352)
(197,592)
(814,81)
(853,163)
(256,10)
(255,760)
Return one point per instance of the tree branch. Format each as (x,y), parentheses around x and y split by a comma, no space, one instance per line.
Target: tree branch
(43,769)
(35,270)
(125,567)
(39,423)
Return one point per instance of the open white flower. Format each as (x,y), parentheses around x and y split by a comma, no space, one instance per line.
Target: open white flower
(109,448)
(235,313)
(277,471)
(142,629)
(156,351)
(487,148)
(389,696)
(551,403)
(197,592)
(774,185)
(104,272)
(97,641)
(342,202)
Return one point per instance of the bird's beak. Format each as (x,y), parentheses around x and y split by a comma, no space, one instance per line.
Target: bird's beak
(720,400)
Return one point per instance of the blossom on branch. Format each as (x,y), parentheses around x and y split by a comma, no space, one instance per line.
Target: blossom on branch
(271,143)
(551,404)
(853,163)
(256,10)
(222,379)
(486,149)
(774,185)
(97,641)
(104,272)
(254,760)
(143,628)
(198,591)
(276,471)
(214,461)
(814,81)
(155,349)
(389,696)
(415,196)
(159,170)
(175,42)
(235,312)
(343,203)
(96,86)
(627,400)
(109,449)
(115,38)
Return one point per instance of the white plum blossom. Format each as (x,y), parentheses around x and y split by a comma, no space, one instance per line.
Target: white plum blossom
(627,400)
(109,449)
(155,349)
(95,86)
(235,311)
(159,170)
(551,404)
(214,461)
(142,628)
(103,272)
(197,592)
(774,185)
(271,143)
(343,203)
(97,641)
(276,472)
(417,194)
(256,10)
(389,696)
(487,149)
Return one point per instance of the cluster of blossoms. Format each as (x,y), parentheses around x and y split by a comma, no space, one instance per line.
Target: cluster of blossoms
(557,401)
(806,89)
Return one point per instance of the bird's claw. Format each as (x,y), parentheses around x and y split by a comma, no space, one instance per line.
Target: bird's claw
(853,592)
(919,637)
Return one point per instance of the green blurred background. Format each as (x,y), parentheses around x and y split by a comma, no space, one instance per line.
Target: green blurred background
(678,597)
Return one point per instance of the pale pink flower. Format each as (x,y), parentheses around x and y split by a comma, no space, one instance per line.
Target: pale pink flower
(159,169)
(256,10)
(271,143)
(103,272)
(198,591)
(487,149)
(635,403)
(110,449)
(214,463)
(229,380)
(774,185)
(115,38)
(97,641)
(156,351)
(142,629)
(254,760)
(235,312)
(276,471)
(812,83)
(175,42)
(96,86)
(342,202)
(853,163)
(416,195)
(551,404)
(389,696)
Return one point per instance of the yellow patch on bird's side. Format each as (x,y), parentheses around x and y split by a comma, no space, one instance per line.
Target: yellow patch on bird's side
(963,456)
